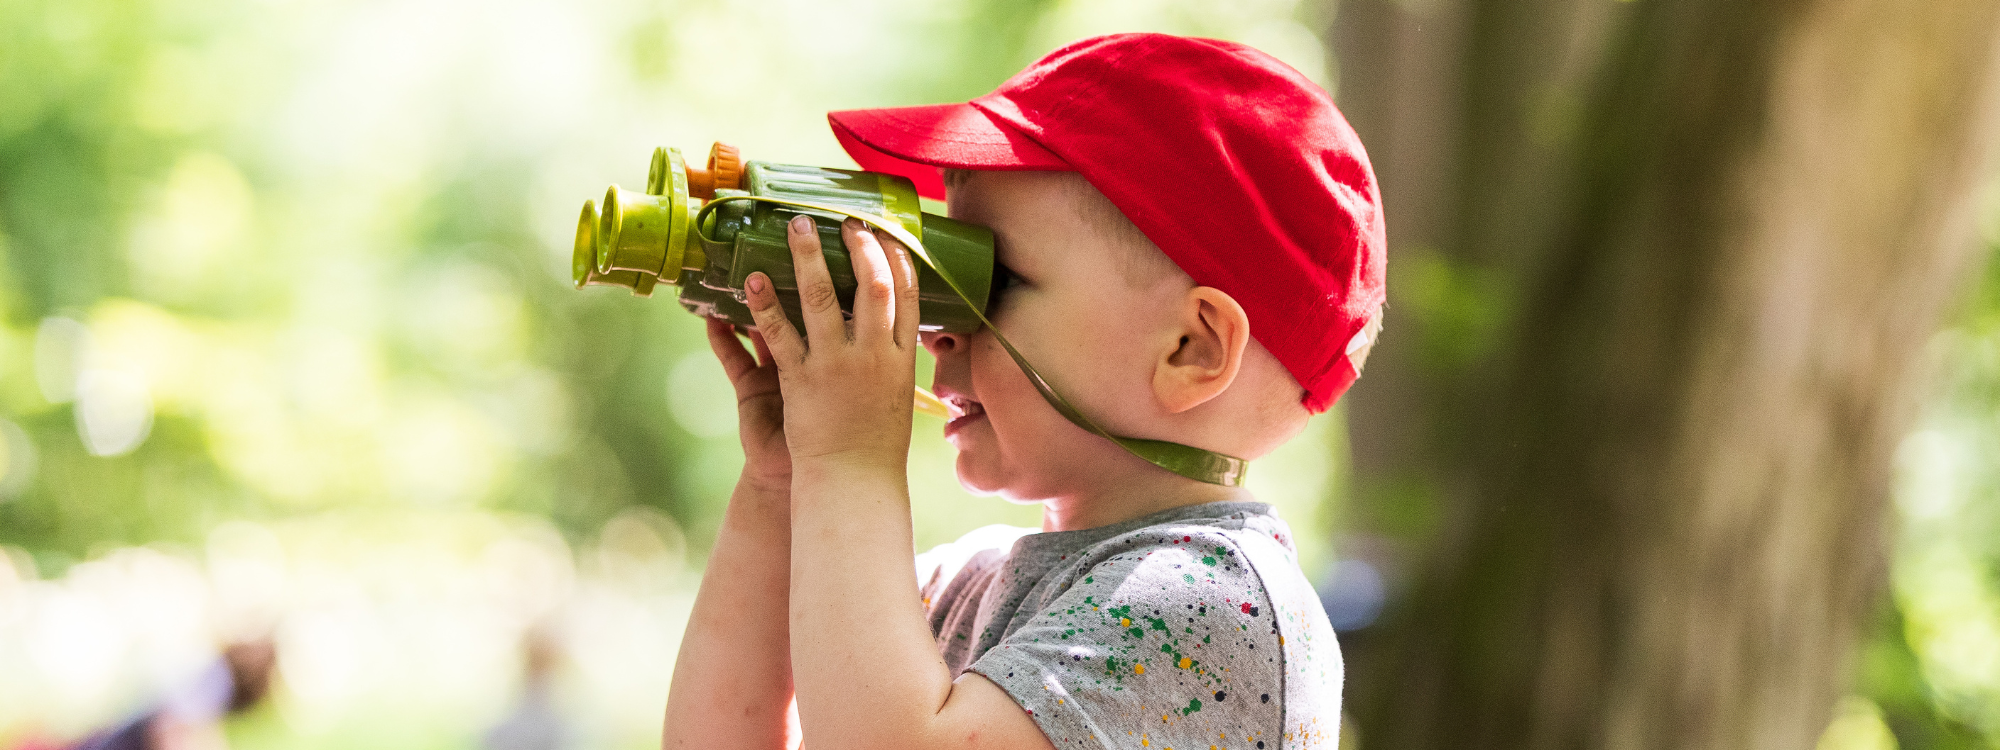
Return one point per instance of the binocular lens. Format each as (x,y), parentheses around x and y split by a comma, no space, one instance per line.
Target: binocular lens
(638,232)
(583,259)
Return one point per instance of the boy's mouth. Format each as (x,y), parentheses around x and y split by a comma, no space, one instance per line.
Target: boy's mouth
(964,411)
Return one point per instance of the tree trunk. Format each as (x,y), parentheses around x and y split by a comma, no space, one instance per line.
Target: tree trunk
(1707,241)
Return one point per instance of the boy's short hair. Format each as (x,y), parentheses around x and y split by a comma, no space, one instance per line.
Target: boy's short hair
(1236,166)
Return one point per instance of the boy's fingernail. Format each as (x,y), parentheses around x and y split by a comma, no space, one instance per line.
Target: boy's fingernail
(757,282)
(802,223)
(852,224)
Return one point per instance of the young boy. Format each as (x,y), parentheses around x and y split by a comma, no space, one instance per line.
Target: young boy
(1195,241)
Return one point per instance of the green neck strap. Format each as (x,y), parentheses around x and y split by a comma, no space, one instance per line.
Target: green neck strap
(1188,461)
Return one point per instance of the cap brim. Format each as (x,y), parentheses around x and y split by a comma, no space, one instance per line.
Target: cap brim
(915,141)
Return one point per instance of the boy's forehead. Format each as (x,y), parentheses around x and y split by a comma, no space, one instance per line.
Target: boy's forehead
(1047,217)
(1008,192)
(1018,206)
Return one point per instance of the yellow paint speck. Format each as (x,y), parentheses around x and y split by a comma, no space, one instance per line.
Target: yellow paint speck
(1186,662)
(1143,742)
(1124,622)
(1138,669)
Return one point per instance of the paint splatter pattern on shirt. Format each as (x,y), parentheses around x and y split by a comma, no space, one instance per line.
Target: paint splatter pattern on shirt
(1191,628)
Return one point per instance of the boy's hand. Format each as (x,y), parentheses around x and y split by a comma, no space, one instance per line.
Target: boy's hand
(760,408)
(846,383)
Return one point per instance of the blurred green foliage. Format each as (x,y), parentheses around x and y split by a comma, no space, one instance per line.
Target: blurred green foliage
(314,248)
(1933,662)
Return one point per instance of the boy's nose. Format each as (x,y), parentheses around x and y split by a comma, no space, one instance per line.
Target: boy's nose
(941,344)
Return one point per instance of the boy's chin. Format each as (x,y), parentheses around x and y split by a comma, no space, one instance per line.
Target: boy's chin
(987,479)
(984,479)
(976,477)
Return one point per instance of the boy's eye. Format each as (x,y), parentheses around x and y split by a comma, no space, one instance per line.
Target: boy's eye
(1003,279)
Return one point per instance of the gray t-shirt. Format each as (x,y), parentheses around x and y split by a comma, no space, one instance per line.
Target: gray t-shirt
(1190,628)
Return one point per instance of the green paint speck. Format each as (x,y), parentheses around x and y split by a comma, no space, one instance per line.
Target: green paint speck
(1193,706)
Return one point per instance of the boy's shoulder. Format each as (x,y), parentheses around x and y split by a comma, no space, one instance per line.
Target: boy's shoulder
(1192,625)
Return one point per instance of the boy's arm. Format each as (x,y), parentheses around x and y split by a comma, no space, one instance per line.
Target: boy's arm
(732,682)
(867,671)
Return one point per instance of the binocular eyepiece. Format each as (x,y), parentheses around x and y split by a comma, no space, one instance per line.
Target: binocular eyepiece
(705,230)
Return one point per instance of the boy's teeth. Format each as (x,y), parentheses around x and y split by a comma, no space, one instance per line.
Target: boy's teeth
(964,407)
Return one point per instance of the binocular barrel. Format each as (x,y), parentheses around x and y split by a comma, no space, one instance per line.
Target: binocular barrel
(670,234)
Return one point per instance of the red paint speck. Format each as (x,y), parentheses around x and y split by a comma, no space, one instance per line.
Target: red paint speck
(1187,539)
(1246,608)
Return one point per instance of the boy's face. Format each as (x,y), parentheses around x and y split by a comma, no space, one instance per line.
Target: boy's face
(1073,313)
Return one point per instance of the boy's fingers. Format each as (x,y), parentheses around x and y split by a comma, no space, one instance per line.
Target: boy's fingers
(874,283)
(818,302)
(784,343)
(735,360)
(763,350)
(903,272)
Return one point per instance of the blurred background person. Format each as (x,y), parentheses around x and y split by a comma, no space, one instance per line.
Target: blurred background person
(534,722)
(190,717)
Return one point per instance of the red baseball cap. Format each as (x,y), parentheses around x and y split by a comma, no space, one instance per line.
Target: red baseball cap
(1234,164)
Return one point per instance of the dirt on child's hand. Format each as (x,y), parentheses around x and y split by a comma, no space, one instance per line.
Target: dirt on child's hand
(846,383)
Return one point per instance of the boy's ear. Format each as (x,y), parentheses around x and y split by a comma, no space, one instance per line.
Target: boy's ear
(1213,333)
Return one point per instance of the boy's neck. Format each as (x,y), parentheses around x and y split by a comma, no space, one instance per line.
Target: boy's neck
(1136,497)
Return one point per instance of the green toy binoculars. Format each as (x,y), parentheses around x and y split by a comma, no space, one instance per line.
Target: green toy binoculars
(688,230)
(704,230)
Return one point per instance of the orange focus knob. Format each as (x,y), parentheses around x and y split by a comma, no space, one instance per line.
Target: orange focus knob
(724,172)
(725,166)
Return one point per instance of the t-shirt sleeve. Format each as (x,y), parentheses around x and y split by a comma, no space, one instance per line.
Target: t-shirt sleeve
(1169,642)
(937,566)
